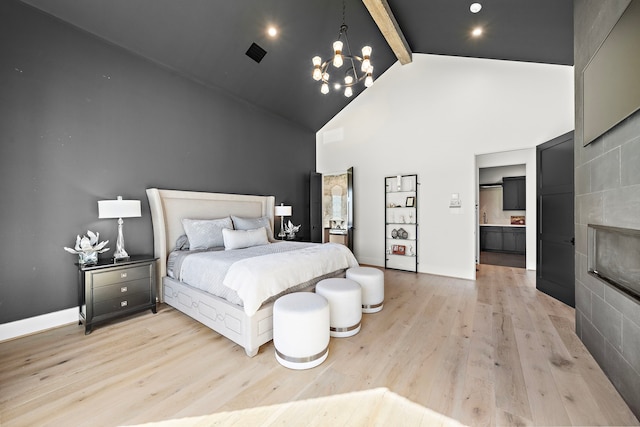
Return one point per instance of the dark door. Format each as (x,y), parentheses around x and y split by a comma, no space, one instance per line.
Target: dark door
(315,204)
(350,203)
(555,231)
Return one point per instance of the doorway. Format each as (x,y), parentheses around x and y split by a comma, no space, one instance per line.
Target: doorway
(509,164)
(332,210)
(501,217)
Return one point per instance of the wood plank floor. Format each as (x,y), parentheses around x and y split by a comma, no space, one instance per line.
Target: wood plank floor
(490,352)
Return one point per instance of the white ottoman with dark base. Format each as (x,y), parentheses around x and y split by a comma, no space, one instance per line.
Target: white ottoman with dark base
(301,330)
(372,282)
(345,305)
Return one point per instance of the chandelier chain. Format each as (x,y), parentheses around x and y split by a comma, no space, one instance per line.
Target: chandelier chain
(343,30)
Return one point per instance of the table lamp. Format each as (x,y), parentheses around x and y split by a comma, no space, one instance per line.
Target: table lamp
(119,209)
(282,211)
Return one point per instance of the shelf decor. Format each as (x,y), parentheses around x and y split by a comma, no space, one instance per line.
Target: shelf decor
(401,222)
(398,249)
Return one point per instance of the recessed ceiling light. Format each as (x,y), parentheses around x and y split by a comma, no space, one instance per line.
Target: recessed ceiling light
(272,31)
(477,32)
(475,7)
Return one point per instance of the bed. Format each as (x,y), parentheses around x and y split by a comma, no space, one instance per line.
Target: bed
(249,325)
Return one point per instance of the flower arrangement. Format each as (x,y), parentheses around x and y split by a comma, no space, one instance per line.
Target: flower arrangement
(291,230)
(87,248)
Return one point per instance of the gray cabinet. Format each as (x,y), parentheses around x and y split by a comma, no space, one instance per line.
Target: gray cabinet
(108,290)
(509,239)
(521,240)
(503,239)
(491,238)
(514,193)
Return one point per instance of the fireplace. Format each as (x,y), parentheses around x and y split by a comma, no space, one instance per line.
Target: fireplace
(614,257)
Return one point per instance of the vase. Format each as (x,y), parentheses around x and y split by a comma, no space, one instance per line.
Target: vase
(88,258)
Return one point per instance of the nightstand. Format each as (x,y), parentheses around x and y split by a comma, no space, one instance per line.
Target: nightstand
(297,238)
(109,289)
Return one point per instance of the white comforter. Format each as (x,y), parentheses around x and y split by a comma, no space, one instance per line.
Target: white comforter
(265,274)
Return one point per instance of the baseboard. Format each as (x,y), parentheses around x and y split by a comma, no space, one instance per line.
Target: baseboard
(40,323)
(374,262)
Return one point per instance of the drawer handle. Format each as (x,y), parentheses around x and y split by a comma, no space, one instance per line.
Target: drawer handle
(123,303)
(123,275)
(123,289)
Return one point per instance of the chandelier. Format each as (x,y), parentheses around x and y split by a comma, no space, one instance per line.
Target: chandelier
(341,57)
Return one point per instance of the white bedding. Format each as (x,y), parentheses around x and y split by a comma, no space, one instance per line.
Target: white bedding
(255,274)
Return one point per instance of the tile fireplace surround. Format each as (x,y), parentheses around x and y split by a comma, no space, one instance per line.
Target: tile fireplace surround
(607,192)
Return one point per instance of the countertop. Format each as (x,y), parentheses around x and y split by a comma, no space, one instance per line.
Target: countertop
(502,225)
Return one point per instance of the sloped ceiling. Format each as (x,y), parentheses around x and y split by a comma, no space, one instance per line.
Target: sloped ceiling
(206,40)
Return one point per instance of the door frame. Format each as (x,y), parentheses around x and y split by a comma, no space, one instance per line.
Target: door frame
(526,156)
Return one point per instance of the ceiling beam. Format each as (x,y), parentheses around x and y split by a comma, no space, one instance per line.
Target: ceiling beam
(383,17)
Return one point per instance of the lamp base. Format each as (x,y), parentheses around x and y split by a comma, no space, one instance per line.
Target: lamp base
(282,233)
(120,254)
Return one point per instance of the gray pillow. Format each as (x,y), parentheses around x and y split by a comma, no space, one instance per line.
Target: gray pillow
(205,233)
(242,223)
(182,243)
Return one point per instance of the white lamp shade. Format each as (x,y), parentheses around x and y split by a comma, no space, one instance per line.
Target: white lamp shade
(283,210)
(119,208)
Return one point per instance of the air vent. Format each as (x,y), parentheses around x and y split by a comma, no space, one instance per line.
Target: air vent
(256,53)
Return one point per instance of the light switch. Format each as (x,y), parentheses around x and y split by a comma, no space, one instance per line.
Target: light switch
(455,201)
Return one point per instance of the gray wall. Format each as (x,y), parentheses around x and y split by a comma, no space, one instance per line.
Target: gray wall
(82,120)
(607,185)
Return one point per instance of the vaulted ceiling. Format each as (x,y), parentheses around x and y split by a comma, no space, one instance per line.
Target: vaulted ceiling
(206,40)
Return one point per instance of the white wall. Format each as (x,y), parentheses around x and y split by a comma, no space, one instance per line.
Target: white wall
(432,117)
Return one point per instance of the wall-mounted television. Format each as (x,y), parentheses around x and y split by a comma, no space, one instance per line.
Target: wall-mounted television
(611,79)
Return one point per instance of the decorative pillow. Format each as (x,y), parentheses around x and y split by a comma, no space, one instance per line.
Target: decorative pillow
(182,243)
(238,239)
(206,233)
(241,223)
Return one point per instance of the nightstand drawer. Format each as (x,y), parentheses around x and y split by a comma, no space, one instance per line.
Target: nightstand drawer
(103,293)
(120,304)
(120,275)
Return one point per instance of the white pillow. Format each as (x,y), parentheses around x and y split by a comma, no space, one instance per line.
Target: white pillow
(238,239)
(205,233)
(242,223)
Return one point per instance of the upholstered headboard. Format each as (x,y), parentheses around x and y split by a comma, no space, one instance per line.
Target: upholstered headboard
(169,207)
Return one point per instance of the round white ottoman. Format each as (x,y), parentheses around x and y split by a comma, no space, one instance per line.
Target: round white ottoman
(372,282)
(301,330)
(345,305)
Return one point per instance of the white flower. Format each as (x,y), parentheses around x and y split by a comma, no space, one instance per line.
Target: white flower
(290,228)
(88,244)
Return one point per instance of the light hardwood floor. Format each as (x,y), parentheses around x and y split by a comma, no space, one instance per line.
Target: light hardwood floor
(490,352)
